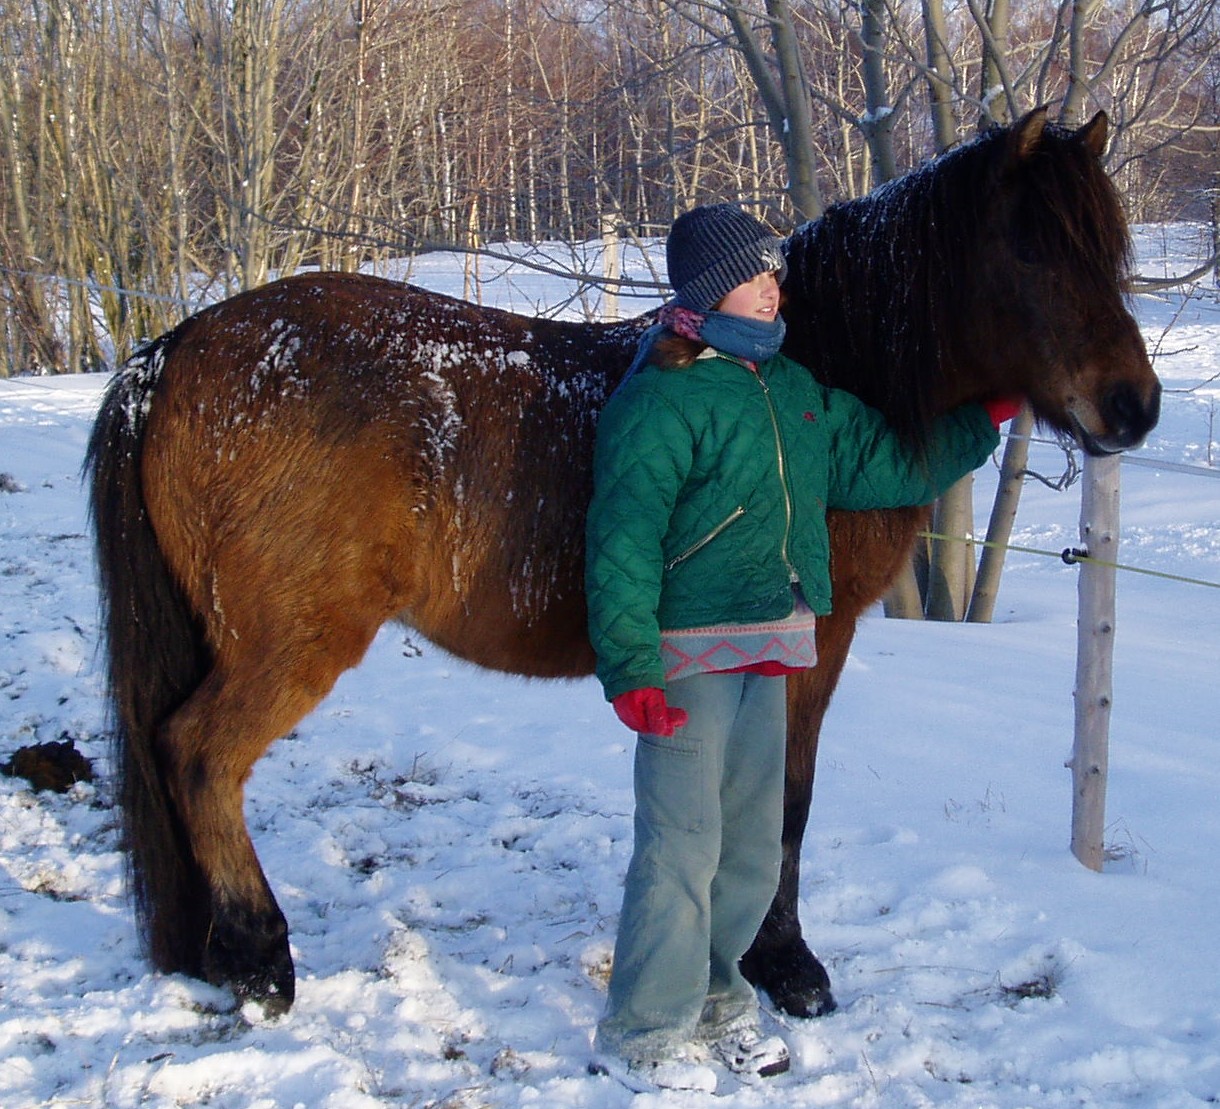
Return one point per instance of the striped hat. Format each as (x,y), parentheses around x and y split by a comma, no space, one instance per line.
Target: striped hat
(714,248)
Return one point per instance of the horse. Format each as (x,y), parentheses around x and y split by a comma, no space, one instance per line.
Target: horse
(282,473)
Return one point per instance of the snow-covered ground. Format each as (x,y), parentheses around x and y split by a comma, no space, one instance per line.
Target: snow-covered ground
(448,844)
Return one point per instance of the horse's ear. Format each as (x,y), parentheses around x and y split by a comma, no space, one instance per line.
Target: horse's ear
(1094,134)
(1027,133)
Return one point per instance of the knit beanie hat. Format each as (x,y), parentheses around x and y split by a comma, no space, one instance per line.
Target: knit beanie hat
(713,249)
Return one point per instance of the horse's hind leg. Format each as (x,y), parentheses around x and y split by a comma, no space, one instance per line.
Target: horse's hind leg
(208,749)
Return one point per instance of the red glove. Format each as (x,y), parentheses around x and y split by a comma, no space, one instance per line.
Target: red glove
(645,710)
(1003,408)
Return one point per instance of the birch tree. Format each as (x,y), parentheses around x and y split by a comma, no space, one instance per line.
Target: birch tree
(783,84)
(31,339)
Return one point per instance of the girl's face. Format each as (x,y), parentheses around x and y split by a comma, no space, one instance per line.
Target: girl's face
(756,299)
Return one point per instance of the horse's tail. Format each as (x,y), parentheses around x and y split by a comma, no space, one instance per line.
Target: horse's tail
(156,657)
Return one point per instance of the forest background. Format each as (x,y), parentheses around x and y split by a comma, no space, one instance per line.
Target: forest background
(161,154)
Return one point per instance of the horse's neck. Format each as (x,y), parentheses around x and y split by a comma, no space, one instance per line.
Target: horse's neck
(863,323)
(846,322)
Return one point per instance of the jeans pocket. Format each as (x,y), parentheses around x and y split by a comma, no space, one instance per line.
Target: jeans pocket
(669,788)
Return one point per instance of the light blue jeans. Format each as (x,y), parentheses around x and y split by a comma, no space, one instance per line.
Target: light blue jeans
(705,866)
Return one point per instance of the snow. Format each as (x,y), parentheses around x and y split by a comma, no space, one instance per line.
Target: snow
(448,844)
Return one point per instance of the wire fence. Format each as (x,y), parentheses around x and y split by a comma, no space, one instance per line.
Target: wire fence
(1073,556)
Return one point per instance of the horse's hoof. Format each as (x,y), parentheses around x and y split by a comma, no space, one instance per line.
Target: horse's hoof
(272,988)
(274,995)
(250,955)
(802,999)
(793,978)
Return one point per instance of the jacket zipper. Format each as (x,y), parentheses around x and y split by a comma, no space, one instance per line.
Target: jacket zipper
(783,478)
(696,547)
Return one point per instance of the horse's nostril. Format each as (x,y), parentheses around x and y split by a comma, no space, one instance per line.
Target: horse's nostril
(1154,406)
(1128,414)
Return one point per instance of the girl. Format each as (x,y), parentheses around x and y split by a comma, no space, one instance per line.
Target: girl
(708,562)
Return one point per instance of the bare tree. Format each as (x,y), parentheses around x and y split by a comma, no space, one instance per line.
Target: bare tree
(157,148)
(783,86)
(31,339)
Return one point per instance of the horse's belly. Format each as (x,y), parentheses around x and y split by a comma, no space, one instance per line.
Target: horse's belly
(555,645)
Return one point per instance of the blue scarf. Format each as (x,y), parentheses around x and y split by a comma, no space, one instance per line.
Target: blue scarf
(737,336)
(753,340)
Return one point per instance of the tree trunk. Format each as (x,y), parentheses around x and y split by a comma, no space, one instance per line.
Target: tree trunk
(349,254)
(878,123)
(1003,515)
(33,344)
(787,99)
(904,601)
(996,94)
(1215,213)
(1078,88)
(940,74)
(951,574)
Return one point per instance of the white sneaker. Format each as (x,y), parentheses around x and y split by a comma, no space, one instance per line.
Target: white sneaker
(680,1071)
(749,1053)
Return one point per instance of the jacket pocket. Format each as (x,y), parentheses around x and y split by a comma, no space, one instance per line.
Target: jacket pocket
(697,546)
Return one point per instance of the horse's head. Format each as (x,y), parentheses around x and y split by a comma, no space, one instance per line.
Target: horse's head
(1063,262)
(999,267)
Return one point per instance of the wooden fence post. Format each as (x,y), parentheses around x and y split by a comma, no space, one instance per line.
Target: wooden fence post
(1094,658)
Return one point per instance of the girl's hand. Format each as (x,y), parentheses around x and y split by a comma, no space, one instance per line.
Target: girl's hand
(1003,408)
(645,710)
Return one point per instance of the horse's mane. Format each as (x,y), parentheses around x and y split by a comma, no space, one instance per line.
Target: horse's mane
(878,287)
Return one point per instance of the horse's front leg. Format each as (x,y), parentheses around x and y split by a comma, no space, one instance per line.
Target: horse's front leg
(779,961)
(867,551)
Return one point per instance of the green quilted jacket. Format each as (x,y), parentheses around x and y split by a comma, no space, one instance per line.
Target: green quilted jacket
(711,485)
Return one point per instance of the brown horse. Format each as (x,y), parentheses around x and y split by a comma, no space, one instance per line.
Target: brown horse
(284,472)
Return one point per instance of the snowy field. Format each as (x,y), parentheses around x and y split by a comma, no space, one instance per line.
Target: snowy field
(448,844)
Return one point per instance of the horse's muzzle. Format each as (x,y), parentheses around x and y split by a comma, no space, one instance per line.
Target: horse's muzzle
(1127,415)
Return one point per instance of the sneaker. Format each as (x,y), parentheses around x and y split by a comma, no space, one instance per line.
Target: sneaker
(747,1052)
(679,1071)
